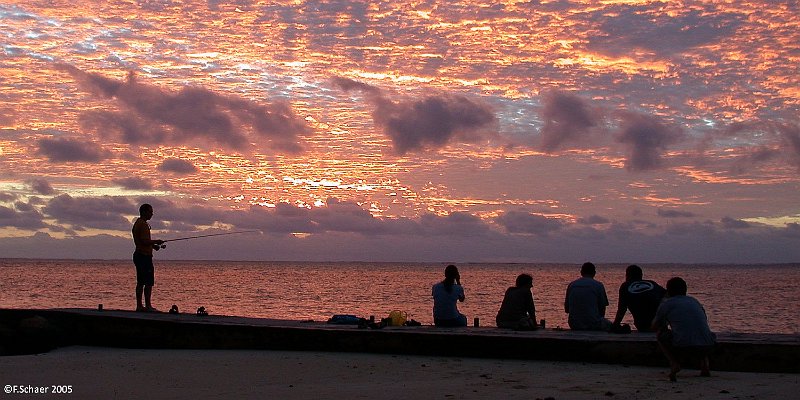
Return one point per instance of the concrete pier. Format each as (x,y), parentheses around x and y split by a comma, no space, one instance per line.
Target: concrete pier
(33,331)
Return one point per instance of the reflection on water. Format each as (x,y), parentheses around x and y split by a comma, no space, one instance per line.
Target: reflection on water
(736,298)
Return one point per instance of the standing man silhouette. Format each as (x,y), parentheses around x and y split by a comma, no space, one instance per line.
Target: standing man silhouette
(143,258)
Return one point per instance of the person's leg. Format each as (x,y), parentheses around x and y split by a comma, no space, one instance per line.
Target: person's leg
(664,339)
(605,325)
(139,291)
(526,324)
(137,262)
(506,324)
(149,280)
(674,365)
(704,369)
(451,323)
(148,291)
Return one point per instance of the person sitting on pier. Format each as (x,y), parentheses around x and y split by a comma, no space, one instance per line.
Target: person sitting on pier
(586,302)
(689,335)
(446,294)
(641,297)
(517,310)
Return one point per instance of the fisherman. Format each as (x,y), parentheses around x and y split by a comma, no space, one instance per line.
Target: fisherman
(143,258)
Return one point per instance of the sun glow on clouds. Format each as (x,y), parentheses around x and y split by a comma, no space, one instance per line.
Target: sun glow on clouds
(627,65)
(778,222)
(325,183)
(115,99)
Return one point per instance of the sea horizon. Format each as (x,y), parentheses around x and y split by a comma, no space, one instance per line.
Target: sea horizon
(564,263)
(738,298)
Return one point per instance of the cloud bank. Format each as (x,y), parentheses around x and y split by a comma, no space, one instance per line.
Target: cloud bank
(192,115)
(69,150)
(345,231)
(568,119)
(177,166)
(430,123)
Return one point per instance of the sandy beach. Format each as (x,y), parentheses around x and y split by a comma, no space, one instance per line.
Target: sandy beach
(93,372)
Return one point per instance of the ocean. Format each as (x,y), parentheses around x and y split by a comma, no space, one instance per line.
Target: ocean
(737,298)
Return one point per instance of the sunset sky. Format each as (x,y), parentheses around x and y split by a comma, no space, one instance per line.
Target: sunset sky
(539,131)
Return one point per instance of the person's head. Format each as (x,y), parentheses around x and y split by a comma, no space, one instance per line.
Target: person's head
(633,273)
(588,270)
(146,211)
(676,287)
(451,276)
(451,273)
(524,280)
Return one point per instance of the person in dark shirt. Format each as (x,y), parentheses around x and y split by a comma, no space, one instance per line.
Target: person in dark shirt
(641,297)
(517,310)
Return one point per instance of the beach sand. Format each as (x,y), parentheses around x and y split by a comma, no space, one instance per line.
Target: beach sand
(105,373)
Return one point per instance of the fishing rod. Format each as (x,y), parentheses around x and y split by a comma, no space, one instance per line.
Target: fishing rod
(164,246)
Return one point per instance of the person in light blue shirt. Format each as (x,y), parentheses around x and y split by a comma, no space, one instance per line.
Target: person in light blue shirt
(683,329)
(446,295)
(586,302)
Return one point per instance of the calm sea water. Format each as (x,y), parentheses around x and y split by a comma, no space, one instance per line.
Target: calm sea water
(739,298)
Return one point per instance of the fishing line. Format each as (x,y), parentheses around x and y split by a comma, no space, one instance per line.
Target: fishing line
(164,246)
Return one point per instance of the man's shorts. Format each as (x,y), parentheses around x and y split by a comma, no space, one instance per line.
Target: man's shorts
(665,337)
(144,269)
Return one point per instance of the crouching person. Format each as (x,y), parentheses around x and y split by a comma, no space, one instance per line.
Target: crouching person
(682,328)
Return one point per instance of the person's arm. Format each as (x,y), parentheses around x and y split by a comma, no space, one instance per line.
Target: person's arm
(659,321)
(655,326)
(566,300)
(622,305)
(603,301)
(531,308)
(458,282)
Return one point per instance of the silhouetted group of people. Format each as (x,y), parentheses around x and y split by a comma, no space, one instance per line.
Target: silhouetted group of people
(679,320)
